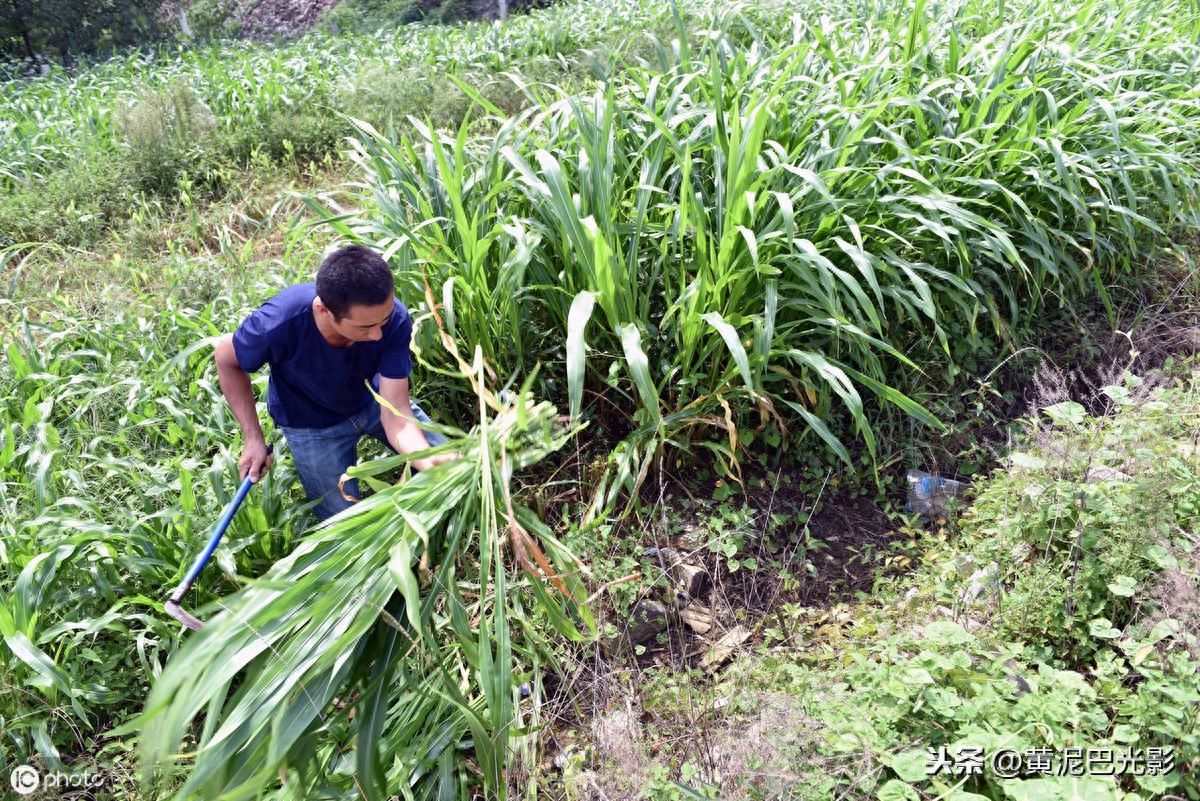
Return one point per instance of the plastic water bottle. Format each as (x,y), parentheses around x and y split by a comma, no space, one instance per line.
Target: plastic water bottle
(928,493)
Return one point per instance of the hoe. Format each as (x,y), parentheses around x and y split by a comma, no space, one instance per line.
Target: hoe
(172,606)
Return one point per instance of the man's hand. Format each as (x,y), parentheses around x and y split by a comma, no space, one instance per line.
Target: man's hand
(434,461)
(402,430)
(255,461)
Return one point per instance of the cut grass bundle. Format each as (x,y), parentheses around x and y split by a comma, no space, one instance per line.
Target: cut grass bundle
(381,657)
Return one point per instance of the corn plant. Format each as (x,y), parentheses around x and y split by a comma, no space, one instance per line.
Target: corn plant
(114,459)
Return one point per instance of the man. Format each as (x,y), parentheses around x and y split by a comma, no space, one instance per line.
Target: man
(324,341)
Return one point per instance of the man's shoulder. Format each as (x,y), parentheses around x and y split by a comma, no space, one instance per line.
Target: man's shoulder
(295,299)
(286,306)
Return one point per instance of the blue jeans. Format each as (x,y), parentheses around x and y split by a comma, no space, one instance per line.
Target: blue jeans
(321,455)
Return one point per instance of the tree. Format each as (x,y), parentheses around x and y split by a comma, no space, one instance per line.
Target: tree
(65,27)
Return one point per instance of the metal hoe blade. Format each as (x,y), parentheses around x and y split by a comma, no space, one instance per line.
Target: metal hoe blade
(176,611)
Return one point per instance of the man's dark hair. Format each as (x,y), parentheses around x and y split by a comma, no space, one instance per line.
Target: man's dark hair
(354,276)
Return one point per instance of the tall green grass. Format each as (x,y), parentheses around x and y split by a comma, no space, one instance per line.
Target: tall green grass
(766,229)
(115,457)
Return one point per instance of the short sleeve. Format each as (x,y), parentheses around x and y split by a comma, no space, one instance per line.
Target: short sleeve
(252,341)
(396,359)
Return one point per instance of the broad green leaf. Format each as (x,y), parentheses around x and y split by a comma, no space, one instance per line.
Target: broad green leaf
(1102,629)
(639,370)
(896,790)
(910,766)
(577,320)
(1124,586)
(948,633)
(1067,412)
(1027,460)
(46,673)
(736,349)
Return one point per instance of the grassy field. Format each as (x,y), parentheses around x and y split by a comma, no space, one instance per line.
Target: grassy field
(681,275)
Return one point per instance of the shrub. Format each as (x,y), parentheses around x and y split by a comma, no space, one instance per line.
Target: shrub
(1074,590)
(300,135)
(387,97)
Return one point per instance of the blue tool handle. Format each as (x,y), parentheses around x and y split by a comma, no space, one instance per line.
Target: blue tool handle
(218,531)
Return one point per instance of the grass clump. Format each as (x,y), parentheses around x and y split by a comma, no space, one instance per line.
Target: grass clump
(170,133)
(77,205)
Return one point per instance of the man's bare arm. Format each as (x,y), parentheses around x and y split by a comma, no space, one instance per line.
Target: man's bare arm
(402,430)
(239,394)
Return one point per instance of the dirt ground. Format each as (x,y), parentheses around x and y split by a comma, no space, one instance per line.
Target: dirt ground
(637,709)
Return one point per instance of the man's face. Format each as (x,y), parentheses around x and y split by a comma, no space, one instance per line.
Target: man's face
(365,323)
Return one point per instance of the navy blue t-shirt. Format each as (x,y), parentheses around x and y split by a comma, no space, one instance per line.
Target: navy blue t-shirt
(312,383)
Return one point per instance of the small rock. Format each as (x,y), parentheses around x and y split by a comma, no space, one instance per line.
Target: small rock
(1014,675)
(981,579)
(721,652)
(692,579)
(666,558)
(1102,473)
(648,620)
(1191,338)
(697,618)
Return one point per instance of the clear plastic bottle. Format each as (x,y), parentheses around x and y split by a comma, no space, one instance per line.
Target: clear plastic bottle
(928,493)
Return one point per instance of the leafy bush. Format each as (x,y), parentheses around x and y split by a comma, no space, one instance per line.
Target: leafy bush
(211,18)
(65,27)
(367,16)
(387,97)
(1060,568)
(287,137)
(1101,502)
(1028,631)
